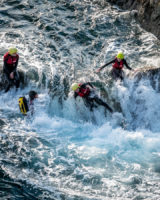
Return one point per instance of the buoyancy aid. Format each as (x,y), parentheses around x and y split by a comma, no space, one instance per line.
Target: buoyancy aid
(23,105)
(10,60)
(118,65)
(83,91)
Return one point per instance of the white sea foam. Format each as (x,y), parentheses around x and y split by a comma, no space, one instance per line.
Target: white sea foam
(65,148)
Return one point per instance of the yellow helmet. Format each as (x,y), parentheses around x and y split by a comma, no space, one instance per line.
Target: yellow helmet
(75,86)
(120,55)
(12,50)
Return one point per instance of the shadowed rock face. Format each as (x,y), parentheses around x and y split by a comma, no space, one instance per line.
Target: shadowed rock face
(148,13)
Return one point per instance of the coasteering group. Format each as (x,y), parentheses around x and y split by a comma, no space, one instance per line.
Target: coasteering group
(84,90)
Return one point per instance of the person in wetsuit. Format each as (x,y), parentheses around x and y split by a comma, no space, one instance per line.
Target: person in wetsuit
(117,66)
(32,96)
(10,60)
(86,91)
(26,103)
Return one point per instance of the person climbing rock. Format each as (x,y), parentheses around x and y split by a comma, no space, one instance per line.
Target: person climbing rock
(87,92)
(10,60)
(117,66)
(26,104)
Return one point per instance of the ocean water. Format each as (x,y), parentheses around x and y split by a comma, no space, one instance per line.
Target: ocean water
(65,151)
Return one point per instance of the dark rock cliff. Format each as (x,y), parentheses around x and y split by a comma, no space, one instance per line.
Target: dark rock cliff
(148,13)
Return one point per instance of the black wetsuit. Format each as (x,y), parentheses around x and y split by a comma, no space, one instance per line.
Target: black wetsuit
(91,97)
(8,69)
(117,73)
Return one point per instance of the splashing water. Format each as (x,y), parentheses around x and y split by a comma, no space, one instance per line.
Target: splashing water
(65,151)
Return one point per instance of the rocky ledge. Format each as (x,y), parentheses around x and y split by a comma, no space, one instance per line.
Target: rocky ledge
(148,13)
(22,76)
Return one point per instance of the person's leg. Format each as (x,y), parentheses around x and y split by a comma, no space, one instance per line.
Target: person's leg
(117,73)
(16,79)
(121,74)
(114,73)
(100,102)
(90,99)
(89,103)
(8,82)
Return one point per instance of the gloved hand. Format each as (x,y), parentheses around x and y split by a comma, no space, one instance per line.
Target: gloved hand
(98,70)
(12,75)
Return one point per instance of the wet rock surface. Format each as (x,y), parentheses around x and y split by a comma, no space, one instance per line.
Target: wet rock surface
(23,79)
(151,74)
(148,13)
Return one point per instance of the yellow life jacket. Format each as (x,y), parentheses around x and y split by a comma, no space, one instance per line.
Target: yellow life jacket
(23,106)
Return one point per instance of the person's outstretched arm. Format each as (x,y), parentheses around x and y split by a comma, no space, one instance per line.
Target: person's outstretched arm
(99,69)
(88,83)
(126,64)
